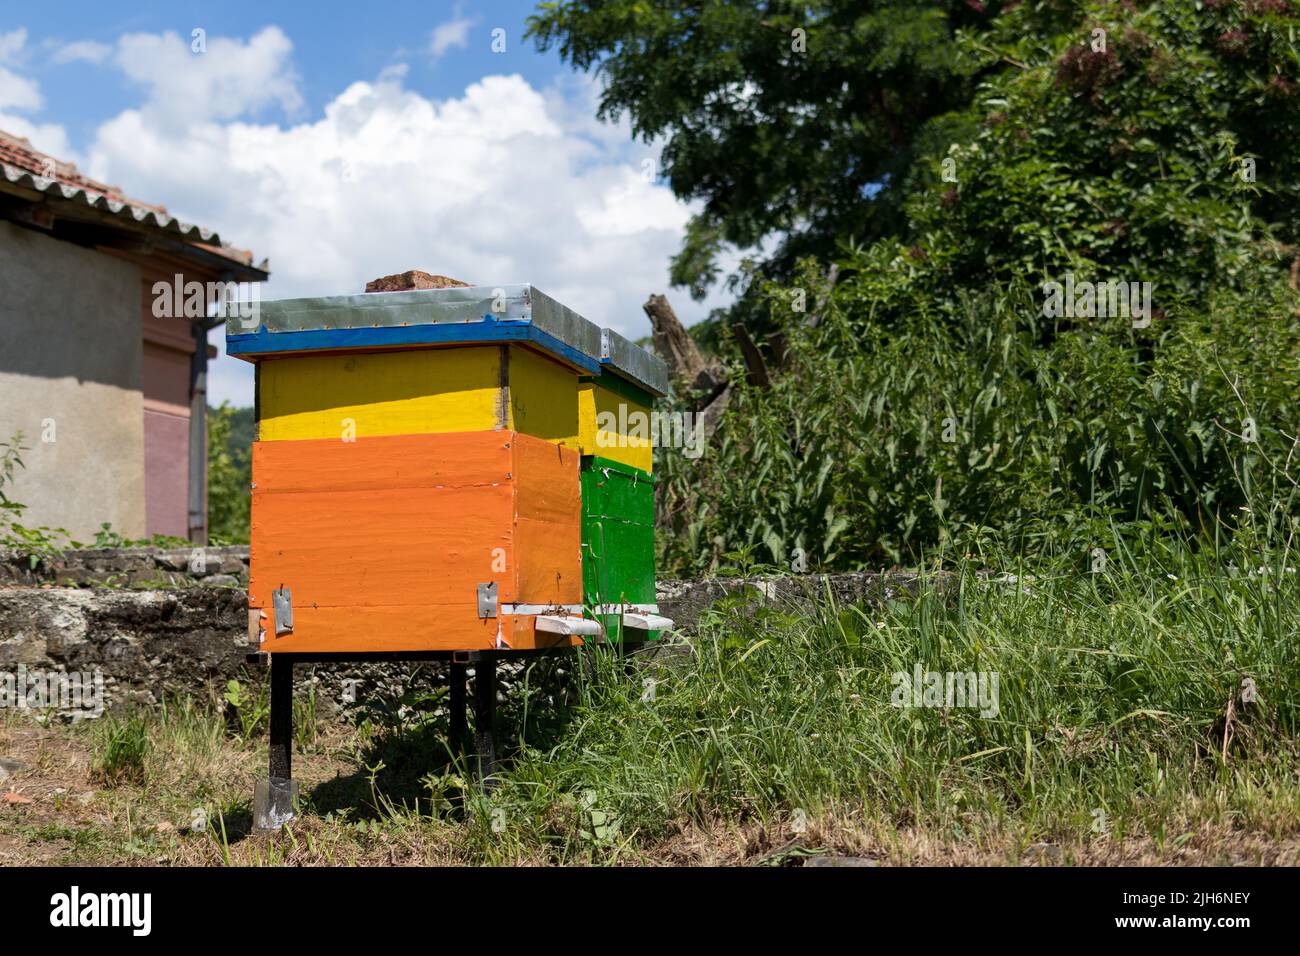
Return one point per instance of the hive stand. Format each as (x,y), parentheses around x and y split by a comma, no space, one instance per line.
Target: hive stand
(445,475)
(274,803)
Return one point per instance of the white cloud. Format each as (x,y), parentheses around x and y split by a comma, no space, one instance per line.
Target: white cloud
(48,138)
(16,92)
(12,44)
(19,94)
(87,51)
(626,202)
(232,78)
(502,183)
(449,34)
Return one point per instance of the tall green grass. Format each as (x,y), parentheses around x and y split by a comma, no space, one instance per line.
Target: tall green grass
(121,748)
(1153,700)
(958,422)
(1121,708)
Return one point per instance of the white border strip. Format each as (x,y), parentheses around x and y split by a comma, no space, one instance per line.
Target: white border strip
(578,608)
(540,608)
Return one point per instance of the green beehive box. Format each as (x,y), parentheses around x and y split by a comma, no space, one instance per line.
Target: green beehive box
(618,554)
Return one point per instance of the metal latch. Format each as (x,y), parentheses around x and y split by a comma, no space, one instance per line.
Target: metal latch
(282,602)
(487,599)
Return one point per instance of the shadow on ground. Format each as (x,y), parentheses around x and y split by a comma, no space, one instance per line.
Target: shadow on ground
(410,761)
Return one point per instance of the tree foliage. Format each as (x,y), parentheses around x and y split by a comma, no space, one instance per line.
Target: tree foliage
(791,123)
(1153,142)
(229,475)
(937,403)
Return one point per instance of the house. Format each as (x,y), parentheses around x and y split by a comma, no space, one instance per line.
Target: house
(102,374)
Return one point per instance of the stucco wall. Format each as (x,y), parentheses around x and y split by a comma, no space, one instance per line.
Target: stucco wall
(70,370)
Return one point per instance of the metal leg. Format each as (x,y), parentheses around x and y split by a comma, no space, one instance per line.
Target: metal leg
(274,798)
(281,717)
(456,703)
(485,701)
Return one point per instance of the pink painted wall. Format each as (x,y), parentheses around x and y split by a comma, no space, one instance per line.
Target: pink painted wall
(167,354)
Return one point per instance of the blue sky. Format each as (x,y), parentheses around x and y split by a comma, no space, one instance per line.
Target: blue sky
(330,50)
(349,143)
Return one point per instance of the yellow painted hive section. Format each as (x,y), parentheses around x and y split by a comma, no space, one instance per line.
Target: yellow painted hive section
(614,426)
(543,397)
(417,391)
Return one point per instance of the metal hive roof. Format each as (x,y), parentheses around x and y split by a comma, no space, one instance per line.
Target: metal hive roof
(458,315)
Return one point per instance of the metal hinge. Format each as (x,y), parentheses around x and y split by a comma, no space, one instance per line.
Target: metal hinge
(282,602)
(487,599)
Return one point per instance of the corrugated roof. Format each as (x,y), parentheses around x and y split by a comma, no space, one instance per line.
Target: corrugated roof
(22,165)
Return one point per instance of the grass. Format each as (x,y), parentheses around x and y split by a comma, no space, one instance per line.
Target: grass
(1145,713)
(1121,714)
(121,749)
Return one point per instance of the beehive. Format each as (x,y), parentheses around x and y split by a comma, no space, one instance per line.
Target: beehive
(428,475)
(618,555)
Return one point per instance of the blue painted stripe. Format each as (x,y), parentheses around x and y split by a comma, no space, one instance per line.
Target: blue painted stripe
(262,342)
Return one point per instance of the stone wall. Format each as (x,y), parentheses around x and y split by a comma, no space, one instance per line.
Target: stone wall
(191,636)
(146,643)
(131,568)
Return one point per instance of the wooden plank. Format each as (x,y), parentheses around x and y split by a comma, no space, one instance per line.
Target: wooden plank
(417,628)
(380,538)
(416,461)
(543,397)
(417,391)
(548,521)
(613,490)
(621,443)
(393,520)
(397,546)
(621,386)
(618,562)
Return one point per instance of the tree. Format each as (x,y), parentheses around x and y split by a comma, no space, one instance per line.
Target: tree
(793,123)
(229,477)
(1154,143)
(941,401)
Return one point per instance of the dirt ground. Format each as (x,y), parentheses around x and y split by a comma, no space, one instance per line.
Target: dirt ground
(54,811)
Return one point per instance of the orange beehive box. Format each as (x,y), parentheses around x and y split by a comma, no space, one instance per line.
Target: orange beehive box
(410,543)
(417,491)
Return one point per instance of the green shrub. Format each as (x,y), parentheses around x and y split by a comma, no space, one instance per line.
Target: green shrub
(936,403)
(247,709)
(229,475)
(949,427)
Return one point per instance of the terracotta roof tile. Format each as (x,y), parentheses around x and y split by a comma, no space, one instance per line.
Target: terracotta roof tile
(24,165)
